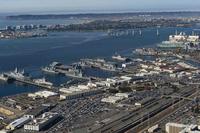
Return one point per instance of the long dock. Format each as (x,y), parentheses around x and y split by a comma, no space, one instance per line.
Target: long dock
(28,81)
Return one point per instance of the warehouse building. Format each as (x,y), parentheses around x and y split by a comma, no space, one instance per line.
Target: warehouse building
(181,128)
(18,123)
(68,95)
(112,99)
(38,111)
(47,120)
(124,95)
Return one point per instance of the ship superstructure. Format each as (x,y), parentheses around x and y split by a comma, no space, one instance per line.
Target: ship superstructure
(3,77)
(118,57)
(17,74)
(180,41)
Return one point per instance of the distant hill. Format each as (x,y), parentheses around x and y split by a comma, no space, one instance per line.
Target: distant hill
(101,16)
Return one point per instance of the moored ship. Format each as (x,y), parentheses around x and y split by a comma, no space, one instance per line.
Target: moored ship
(52,68)
(17,74)
(168,44)
(118,57)
(179,41)
(3,77)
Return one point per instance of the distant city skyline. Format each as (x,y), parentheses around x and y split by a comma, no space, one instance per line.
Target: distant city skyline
(89,6)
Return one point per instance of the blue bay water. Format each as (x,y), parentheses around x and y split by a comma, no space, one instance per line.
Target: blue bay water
(67,47)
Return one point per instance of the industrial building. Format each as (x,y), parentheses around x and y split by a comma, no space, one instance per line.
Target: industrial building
(112,99)
(43,122)
(113,81)
(38,111)
(42,94)
(73,89)
(68,94)
(181,128)
(78,91)
(117,80)
(153,129)
(18,123)
(124,95)
(115,99)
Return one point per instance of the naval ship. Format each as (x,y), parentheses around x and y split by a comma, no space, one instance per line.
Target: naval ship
(3,77)
(179,41)
(118,57)
(52,68)
(17,74)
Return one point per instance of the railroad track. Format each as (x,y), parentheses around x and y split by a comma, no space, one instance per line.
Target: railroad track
(160,116)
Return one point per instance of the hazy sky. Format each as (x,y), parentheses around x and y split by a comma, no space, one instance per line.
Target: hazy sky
(96,5)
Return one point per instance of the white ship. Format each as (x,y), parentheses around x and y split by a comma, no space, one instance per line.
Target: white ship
(118,57)
(168,44)
(17,74)
(140,32)
(51,68)
(43,81)
(157,32)
(179,41)
(3,77)
(182,37)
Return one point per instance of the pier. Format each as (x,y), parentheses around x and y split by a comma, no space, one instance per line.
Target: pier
(28,81)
